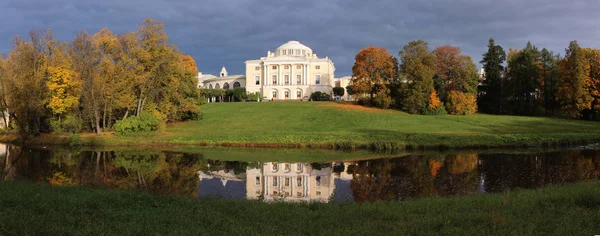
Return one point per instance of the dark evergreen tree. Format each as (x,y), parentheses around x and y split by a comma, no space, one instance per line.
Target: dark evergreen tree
(492,86)
(549,75)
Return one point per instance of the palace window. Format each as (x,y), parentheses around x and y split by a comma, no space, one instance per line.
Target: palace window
(287,165)
(287,79)
(287,95)
(298,51)
(299,166)
(299,181)
(257,79)
(274,96)
(275,165)
(274,79)
(299,194)
(318,67)
(298,67)
(287,194)
(318,193)
(298,79)
(299,95)
(287,181)
(287,67)
(317,79)
(291,51)
(257,180)
(284,52)
(274,67)
(274,181)
(318,180)
(274,192)
(257,68)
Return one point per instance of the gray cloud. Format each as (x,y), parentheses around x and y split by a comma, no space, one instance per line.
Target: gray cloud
(228,32)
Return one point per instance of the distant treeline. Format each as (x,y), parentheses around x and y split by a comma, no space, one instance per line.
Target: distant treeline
(525,81)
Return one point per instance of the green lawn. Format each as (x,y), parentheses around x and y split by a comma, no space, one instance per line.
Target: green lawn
(326,123)
(331,125)
(30,209)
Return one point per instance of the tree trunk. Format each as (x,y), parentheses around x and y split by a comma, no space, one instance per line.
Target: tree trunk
(126,114)
(97,120)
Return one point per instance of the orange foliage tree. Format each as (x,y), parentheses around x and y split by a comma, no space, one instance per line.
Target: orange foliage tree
(572,91)
(373,70)
(434,101)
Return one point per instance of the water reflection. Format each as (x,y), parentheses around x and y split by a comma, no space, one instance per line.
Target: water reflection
(413,176)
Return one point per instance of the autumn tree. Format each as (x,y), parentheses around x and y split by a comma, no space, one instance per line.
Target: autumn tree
(454,71)
(85,59)
(572,91)
(592,84)
(491,89)
(25,83)
(372,72)
(417,69)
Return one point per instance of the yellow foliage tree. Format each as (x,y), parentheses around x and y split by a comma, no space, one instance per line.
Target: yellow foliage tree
(460,103)
(64,88)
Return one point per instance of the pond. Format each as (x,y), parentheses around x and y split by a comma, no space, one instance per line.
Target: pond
(304,175)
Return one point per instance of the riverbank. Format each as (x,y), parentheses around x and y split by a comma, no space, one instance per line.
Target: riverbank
(28,209)
(331,125)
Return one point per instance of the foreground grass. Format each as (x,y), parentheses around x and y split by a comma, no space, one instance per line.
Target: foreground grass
(332,125)
(29,209)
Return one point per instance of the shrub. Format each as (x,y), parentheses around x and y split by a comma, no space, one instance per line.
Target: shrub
(319,96)
(68,124)
(364,101)
(435,111)
(75,140)
(338,91)
(382,101)
(134,125)
(253,96)
(460,103)
(239,93)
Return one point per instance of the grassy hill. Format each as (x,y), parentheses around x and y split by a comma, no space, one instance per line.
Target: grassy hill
(333,125)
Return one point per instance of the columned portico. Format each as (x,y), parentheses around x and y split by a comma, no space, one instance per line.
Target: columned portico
(286,73)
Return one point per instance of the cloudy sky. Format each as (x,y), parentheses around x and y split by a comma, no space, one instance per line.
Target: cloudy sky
(229,32)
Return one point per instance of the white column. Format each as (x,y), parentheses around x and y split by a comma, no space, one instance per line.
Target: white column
(307,74)
(291,75)
(304,73)
(266,79)
(279,76)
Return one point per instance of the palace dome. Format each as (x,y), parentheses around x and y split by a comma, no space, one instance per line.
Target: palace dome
(293,48)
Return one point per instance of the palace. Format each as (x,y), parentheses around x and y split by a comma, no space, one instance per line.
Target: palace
(291,72)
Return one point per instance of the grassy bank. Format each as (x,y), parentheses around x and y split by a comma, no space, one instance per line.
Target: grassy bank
(28,209)
(341,126)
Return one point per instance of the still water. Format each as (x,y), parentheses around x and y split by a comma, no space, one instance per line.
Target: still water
(360,179)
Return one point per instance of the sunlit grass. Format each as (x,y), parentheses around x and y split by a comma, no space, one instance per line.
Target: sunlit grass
(30,209)
(330,125)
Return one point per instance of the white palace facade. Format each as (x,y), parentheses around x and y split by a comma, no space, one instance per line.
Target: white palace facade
(292,72)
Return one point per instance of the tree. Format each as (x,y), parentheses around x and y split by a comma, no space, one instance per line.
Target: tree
(524,80)
(492,86)
(549,75)
(460,103)
(592,84)
(372,72)
(454,71)
(572,90)
(417,68)
(84,64)
(434,101)
(64,88)
(338,91)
